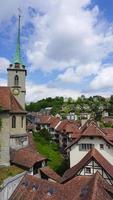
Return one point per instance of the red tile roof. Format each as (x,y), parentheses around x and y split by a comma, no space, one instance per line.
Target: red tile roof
(91,131)
(79,188)
(50,173)
(92,154)
(8,102)
(68,127)
(53,121)
(43,119)
(108,132)
(26,157)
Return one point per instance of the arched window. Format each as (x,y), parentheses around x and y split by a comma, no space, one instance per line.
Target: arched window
(16,80)
(13,121)
(22,121)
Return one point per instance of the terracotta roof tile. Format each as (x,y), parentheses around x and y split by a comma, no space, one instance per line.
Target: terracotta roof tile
(43,119)
(91,131)
(8,102)
(50,173)
(92,154)
(79,188)
(26,157)
(54,121)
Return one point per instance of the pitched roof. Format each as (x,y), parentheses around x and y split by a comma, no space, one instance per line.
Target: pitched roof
(68,127)
(92,154)
(91,131)
(50,173)
(43,119)
(90,188)
(109,133)
(54,121)
(8,102)
(26,157)
(79,188)
(33,188)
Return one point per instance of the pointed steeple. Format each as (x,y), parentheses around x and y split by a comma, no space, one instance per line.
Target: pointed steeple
(17,61)
(17,57)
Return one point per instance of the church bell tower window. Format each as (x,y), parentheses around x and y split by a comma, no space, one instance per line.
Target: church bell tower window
(16,80)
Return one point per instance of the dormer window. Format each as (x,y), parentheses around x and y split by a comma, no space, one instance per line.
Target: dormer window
(16,80)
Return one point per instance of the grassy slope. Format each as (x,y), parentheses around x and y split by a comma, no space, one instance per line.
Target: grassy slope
(6,172)
(50,150)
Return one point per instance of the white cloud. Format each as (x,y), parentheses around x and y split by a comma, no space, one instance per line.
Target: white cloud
(74,75)
(104,79)
(4,64)
(38,91)
(67,37)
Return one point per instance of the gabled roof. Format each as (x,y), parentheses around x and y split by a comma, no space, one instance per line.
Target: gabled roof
(68,127)
(26,157)
(8,102)
(43,119)
(79,188)
(93,154)
(50,173)
(108,132)
(53,121)
(91,131)
(90,188)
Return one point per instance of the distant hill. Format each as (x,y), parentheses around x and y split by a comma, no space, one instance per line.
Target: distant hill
(95,105)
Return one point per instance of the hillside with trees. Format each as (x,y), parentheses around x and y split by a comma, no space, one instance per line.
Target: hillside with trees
(94,105)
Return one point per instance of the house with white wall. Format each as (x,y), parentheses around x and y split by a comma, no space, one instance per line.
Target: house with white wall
(91,137)
(90,164)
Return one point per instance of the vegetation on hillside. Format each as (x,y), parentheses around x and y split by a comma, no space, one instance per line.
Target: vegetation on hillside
(94,105)
(6,172)
(55,103)
(50,150)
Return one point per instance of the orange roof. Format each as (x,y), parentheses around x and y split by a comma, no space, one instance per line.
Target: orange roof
(79,188)
(26,157)
(50,173)
(91,131)
(8,102)
(92,154)
(54,121)
(67,127)
(43,119)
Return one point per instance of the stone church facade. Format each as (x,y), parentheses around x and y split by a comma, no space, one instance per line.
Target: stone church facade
(12,108)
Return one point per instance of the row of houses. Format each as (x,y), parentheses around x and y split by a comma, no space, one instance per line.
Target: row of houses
(90,175)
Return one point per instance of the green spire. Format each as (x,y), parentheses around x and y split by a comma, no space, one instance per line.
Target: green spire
(17,57)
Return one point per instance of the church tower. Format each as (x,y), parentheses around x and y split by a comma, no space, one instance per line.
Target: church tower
(17,73)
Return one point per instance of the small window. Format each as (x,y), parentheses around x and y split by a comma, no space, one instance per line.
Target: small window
(13,122)
(22,121)
(88,170)
(101,146)
(85,147)
(16,80)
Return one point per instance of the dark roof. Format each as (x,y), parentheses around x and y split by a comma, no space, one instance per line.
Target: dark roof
(92,154)
(8,102)
(79,188)
(50,173)
(26,157)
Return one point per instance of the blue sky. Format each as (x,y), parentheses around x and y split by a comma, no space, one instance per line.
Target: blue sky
(66,45)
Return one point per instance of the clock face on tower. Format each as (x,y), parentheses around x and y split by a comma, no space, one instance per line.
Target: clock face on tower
(16,91)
